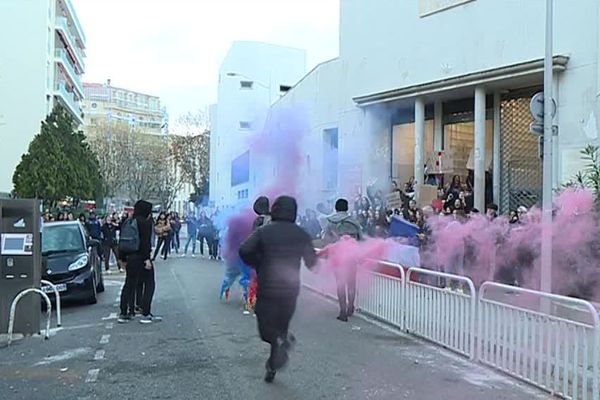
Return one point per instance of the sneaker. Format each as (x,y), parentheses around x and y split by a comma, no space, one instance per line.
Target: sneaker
(270,374)
(342,317)
(121,270)
(124,319)
(146,319)
(107,271)
(193,256)
(156,318)
(138,309)
(246,312)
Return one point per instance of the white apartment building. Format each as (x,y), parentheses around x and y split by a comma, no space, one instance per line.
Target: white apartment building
(106,103)
(252,76)
(417,76)
(42,52)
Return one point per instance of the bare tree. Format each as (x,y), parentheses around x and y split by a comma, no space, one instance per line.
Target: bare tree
(191,149)
(135,165)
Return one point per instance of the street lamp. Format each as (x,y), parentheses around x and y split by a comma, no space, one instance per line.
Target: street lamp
(268,87)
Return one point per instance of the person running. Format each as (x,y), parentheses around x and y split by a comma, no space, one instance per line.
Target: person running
(162,229)
(275,251)
(139,267)
(109,242)
(338,225)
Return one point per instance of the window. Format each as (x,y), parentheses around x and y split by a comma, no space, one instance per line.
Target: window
(242,194)
(246,85)
(245,125)
(240,169)
(94,105)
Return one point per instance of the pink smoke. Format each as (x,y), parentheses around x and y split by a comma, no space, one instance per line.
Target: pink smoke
(239,228)
(496,250)
(279,143)
(348,252)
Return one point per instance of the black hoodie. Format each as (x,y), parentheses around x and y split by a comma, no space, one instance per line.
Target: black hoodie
(142,212)
(261,208)
(276,249)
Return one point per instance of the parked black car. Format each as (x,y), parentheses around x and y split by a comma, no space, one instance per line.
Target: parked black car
(70,260)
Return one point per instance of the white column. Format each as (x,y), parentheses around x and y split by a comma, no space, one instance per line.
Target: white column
(479,149)
(419,141)
(438,127)
(496,152)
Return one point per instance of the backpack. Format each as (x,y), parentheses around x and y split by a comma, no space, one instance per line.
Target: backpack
(261,220)
(129,241)
(345,228)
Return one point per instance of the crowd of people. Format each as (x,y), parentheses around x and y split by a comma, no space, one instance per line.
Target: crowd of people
(375,215)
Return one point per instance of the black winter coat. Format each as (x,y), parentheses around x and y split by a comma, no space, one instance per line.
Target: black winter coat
(275,250)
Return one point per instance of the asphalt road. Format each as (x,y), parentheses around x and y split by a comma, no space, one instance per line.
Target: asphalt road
(205,349)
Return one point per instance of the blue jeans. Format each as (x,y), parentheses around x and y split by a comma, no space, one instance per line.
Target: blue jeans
(190,239)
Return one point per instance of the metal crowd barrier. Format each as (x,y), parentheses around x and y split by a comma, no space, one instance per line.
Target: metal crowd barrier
(13,308)
(382,296)
(557,351)
(547,340)
(439,314)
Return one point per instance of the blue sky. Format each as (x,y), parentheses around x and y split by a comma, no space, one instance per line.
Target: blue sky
(173,48)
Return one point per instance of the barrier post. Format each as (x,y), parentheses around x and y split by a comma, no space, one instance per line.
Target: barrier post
(57,296)
(13,309)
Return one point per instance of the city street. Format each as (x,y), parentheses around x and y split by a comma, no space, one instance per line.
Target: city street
(205,349)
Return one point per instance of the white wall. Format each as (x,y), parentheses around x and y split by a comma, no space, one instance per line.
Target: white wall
(385,44)
(265,65)
(24,52)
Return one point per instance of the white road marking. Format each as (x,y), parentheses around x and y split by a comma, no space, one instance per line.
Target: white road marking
(113,315)
(104,339)
(116,305)
(118,299)
(110,282)
(110,325)
(54,331)
(92,375)
(99,355)
(65,355)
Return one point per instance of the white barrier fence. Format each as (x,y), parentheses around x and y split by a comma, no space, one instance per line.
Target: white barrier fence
(557,349)
(382,296)
(442,315)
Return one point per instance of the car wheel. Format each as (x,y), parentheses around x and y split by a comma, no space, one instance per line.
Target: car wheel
(93,299)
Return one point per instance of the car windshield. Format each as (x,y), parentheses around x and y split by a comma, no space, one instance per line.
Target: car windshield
(61,239)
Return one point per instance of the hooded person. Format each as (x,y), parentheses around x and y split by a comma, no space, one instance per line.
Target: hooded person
(341,224)
(275,251)
(139,267)
(261,208)
(238,228)
(263,217)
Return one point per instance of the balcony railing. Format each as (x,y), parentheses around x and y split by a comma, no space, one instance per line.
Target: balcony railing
(63,58)
(62,25)
(70,101)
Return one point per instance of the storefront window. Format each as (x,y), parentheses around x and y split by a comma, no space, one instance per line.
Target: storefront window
(403,149)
